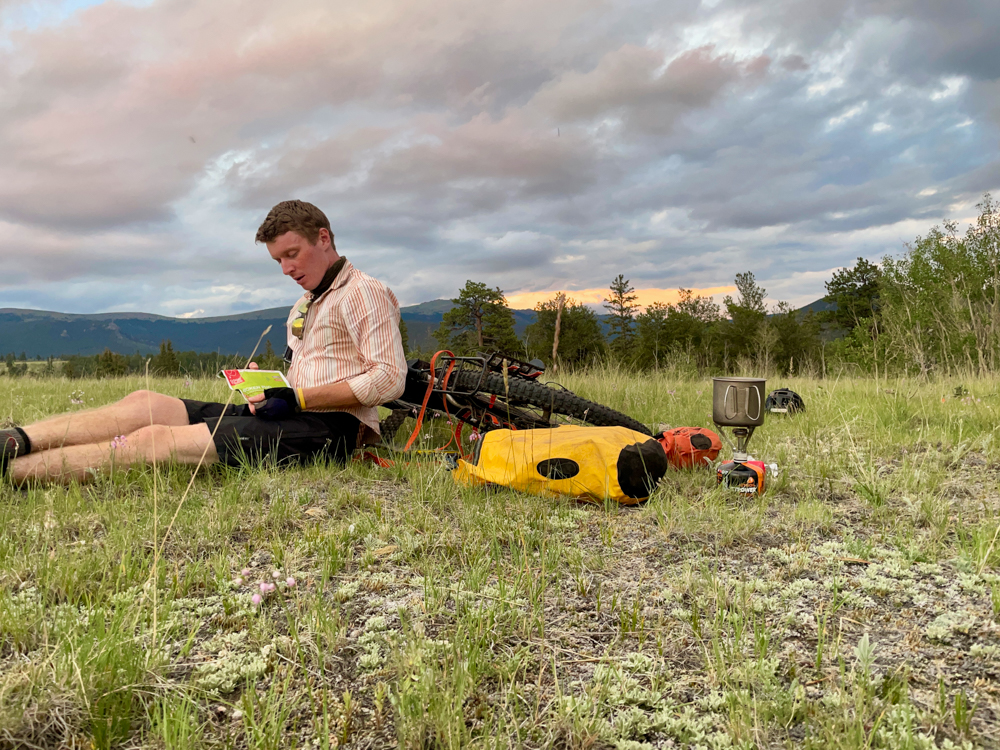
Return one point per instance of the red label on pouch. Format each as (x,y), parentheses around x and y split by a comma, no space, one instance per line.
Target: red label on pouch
(234,377)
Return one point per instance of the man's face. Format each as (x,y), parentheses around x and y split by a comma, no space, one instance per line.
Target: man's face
(306,263)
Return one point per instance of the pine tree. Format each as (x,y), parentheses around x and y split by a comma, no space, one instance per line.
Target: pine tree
(480,320)
(747,314)
(111,364)
(621,308)
(498,329)
(269,360)
(166,361)
(404,335)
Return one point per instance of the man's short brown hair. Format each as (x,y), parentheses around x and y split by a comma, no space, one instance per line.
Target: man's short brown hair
(294,216)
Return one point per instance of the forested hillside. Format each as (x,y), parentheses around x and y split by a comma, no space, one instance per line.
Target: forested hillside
(41,333)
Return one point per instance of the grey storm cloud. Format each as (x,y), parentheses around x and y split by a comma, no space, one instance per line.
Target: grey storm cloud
(529,145)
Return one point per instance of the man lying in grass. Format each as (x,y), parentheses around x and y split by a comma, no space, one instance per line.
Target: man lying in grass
(346,359)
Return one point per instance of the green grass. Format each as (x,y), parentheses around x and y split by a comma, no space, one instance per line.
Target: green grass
(855,605)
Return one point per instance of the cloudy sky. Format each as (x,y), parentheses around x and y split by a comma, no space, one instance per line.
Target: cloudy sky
(534,146)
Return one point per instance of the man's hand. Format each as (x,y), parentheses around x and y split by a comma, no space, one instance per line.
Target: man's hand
(275,403)
(254,400)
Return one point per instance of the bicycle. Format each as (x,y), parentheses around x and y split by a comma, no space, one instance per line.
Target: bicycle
(489,392)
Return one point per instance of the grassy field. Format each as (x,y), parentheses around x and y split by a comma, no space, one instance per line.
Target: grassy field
(854,605)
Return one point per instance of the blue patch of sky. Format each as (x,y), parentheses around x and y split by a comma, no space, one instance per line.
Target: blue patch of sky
(857,156)
(39,14)
(36,15)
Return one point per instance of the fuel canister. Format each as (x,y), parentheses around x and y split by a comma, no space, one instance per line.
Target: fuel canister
(746,477)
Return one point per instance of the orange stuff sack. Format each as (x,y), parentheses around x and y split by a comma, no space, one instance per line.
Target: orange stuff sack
(688,447)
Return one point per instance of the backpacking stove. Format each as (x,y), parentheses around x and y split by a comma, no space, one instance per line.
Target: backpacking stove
(739,403)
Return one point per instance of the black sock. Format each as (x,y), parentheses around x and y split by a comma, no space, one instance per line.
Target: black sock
(13,442)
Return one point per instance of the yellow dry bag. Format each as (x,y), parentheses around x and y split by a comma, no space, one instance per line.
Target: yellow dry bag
(591,463)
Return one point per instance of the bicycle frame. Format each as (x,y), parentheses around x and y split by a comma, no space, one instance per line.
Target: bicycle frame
(482,411)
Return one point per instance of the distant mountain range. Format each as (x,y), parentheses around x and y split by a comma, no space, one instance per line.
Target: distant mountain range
(43,333)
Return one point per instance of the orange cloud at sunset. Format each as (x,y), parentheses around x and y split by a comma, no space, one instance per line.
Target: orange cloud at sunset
(644,297)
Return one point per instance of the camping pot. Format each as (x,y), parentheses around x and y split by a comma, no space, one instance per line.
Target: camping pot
(738,402)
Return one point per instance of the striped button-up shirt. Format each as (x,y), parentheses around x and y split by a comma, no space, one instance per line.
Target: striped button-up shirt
(351,335)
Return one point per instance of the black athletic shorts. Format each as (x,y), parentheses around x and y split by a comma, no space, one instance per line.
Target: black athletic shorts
(241,436)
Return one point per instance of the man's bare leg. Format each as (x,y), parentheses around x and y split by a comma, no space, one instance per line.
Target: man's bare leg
(184,445)
(136,410)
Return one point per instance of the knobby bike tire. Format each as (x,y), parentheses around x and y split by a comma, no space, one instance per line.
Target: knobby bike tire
(539,395)
(389,426)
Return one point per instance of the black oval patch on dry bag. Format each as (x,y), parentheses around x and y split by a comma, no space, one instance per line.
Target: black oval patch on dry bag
(701,442)
(558,468)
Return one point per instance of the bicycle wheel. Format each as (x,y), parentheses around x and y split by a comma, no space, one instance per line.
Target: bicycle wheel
(520,391)
(389,426)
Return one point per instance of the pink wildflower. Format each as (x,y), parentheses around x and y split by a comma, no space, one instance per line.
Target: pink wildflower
(263,588)
(238,582)
(119,441)
(245,572)
(290,582)
(256,599)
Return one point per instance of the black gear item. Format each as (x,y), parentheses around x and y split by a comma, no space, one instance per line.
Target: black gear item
(784,401)
(278,403)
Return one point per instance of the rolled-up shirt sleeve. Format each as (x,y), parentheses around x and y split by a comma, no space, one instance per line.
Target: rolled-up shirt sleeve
(372,317)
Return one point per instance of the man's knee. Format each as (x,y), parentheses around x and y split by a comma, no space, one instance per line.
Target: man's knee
(161,408)
(156,440)
(145,398)
(189,444)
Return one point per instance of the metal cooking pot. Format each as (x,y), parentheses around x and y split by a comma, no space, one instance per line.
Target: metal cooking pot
(738,402)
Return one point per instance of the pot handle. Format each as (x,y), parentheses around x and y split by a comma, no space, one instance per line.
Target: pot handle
(736,402)
(757,416)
